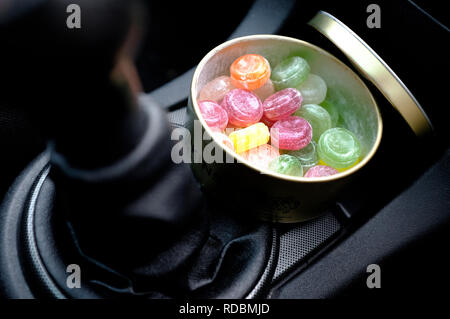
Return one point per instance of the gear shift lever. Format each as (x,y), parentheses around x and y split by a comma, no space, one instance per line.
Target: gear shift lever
(110,155)
(129,206)
(115,173)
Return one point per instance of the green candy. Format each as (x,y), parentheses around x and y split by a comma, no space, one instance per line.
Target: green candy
(338,148)
(286,164)
(313,89)
(332,110)
(317,116)
(307,155)
(290,73)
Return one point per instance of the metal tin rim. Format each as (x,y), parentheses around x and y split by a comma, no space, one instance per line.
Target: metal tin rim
(375,69)
(302,179)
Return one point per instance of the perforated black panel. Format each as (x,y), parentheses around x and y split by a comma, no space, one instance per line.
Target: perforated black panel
(177,118)
(264,284)
(292,245)
(297,242)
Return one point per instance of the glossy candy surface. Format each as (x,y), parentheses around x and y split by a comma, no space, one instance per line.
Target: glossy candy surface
(266,121)
(339,169)
(216,89)
(307,156)
(292,133)
(215,116)
(338,148)
(250,71)
(290,73)
(265,91)
(313,89)
(280,105)
(317,116)
(320,171)
(262,155)
(250,137)
(287,164)
(244,108)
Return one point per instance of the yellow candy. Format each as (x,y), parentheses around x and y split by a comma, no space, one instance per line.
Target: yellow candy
(339,169)
(250,137)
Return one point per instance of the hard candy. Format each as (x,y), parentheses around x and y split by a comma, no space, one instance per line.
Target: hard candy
(321,171)
(292,133)
(339,169)
(262,155)
(338,148)
(313,89)
(290,73)
(265,91)
(213,114)
(317,116)
(287,164)
(307,155)
(244,108)
(280,105)
(216,89)
(250,137)
(250,71)
(266,121)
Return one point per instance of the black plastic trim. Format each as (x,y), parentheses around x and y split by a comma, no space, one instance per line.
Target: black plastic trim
(13,283)
(419,211)
(273,13)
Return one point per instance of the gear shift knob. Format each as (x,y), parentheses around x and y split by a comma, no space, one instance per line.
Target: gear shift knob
(79,83)
(124,197)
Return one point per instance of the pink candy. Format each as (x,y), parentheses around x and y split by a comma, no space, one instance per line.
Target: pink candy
(244,108)
(292,133)
(215,116)
(261,155)
(266,121)
(280,105)
(216,89)
(320,170)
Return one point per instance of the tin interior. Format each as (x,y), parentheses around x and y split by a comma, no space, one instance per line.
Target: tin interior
(355,103)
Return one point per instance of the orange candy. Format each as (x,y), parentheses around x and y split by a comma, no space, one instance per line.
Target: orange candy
(250,71)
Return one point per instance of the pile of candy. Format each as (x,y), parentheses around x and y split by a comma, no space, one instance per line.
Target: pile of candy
(280,105)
